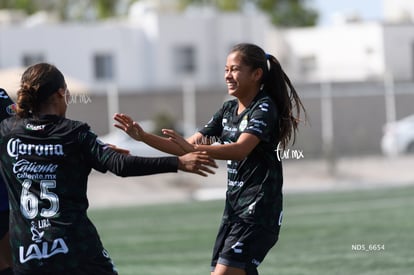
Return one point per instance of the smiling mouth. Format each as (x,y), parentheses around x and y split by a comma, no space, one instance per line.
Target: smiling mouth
(231,85)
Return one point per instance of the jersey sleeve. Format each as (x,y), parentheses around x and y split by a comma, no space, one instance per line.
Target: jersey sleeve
(7,106)
(102,158)
(262,120)
(214,127)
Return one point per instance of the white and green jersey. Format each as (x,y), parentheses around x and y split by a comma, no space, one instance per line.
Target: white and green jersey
(254,184)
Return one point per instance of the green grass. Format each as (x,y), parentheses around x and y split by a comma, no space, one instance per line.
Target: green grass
(317,236)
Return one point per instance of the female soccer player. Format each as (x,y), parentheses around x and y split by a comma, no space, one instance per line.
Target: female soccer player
(6,110)
(265,113)
(46,159)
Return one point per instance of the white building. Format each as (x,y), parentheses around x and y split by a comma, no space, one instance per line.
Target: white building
(154,51)
(150,51)
(349,52)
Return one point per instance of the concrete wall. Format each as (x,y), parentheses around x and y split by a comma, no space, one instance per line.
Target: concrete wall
(401,61)
(358,113)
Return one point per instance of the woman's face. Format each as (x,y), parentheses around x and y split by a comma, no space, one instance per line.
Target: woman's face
(241,80)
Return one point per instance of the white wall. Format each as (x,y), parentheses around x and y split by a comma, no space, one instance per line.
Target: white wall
(350,52)
(399,50)
(143,45)
(71,47)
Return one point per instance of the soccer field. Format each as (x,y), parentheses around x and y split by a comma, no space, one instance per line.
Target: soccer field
(358,232)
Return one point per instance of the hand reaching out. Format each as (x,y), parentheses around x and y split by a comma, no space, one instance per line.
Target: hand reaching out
(197,162)
(126,124)
(179,140)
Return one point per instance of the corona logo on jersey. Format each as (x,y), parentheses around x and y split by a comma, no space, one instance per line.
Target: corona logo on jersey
(40,249)
(15,148)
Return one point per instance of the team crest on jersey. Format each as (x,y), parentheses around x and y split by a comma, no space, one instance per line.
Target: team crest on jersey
(223,121)
(243,124)
(11,109)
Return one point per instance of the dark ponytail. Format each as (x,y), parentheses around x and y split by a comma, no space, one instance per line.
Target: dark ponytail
(37,84)
(278,86)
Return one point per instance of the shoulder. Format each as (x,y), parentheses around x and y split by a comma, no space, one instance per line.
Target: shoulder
(71,127)
(264,103)
(75,124)
(229,105)
(6,125)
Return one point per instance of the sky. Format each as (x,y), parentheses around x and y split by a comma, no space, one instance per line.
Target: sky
(367,9)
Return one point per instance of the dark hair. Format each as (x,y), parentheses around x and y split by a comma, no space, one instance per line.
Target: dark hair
(277,85)
(37,84)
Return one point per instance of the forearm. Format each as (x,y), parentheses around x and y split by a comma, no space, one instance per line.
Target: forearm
(231,151)
(162,144)
(127,165)
(238,150)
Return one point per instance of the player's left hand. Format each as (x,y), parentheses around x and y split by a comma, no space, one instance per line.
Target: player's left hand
(132,128)
(176,138)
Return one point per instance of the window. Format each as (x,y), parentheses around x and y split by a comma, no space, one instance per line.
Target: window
(31,59)
(104,66)
(184,59)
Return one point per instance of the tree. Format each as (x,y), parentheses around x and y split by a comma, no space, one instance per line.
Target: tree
(286,13)
(26,5)
(289,13)
(80,9)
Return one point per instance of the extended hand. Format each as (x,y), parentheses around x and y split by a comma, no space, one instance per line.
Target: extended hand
(179,140)
(197,162)
(126,124)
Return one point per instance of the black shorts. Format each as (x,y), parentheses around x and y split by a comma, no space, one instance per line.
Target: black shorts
(100,265)
(243,246)
(4,223)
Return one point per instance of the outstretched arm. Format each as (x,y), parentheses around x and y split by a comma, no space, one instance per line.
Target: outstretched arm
(134,130)
(232,151)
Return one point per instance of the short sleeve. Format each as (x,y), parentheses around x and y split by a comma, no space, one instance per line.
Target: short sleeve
(262,120)
(215,126)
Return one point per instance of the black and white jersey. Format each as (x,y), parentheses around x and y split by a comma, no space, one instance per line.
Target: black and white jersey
(254,185)
(46,163)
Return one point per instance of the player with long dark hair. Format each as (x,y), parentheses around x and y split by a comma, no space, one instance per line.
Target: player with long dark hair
(46,159)
(265,113)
